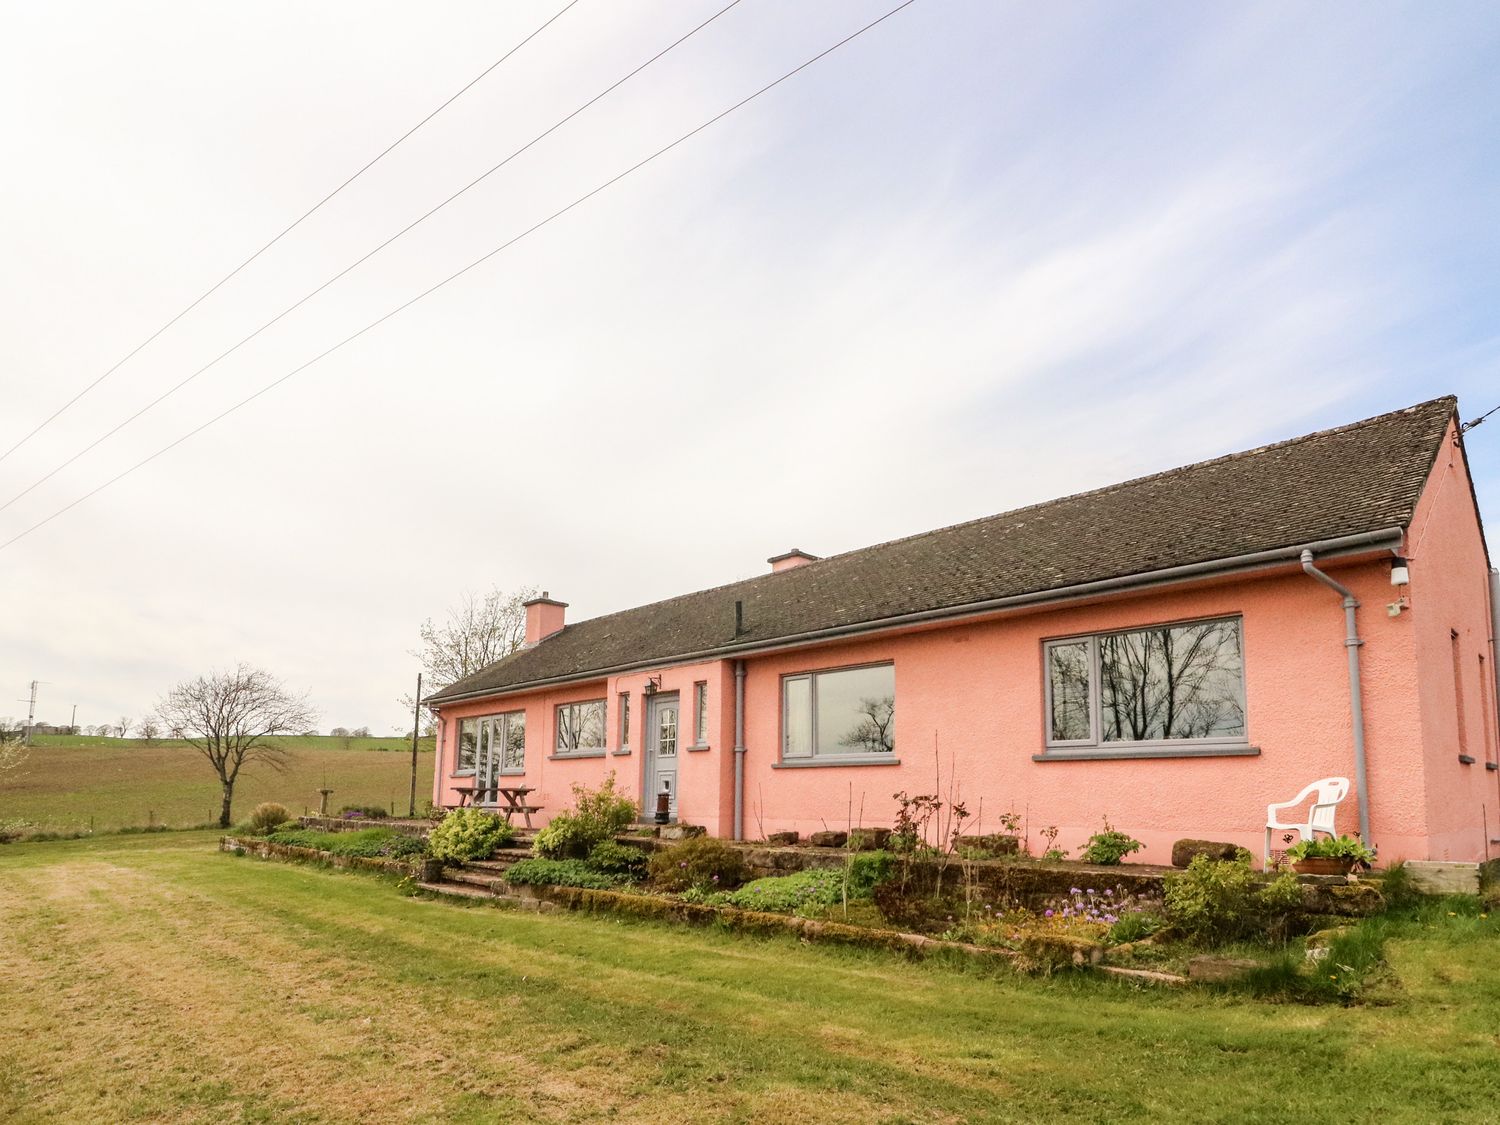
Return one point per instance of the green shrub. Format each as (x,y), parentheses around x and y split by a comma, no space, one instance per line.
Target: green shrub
(865,869)
(558,873)
(469,834)
(363,812)
(1135,926)
(786,894)
(598,815)
(267,817)
(1216,901)
(1108,847)
(703,862)
(619,860)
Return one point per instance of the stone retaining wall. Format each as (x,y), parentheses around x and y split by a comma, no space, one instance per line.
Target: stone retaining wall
(422,870)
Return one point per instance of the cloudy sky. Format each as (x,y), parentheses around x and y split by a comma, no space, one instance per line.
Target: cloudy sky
(983,255)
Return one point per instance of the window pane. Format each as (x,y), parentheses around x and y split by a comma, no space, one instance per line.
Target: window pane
(1068,679)
(580,726)
(797,721)
(468,743)
(856,711)
(514,756)
(1180,681)
(624,719)
(700,734)
(666,737)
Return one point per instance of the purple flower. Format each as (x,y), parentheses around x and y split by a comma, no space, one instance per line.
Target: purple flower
(1074,891)
(1049,914)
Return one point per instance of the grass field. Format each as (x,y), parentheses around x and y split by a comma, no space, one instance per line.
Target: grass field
(150,978)
(68,784)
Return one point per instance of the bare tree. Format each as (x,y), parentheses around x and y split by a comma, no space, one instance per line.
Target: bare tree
(339,732)
(13,749)
(122,728)
(149,729)
(233,719)
(476,633)
(874,733)
(360,732)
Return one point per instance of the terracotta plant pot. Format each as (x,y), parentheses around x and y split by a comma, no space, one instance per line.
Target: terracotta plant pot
(1322,865)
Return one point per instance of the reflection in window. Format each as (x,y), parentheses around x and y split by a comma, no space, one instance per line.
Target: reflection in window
(468,744)
(1166,683)
(700,713)
(580,726)
(666,741)
(850,712)
(624,720)
(510,736)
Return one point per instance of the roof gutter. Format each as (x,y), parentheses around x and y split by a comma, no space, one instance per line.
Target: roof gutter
(1352,644)
(1340,545)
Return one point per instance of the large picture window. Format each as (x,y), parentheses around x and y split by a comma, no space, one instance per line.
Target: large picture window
(845,713)
(580,727)
(1164,684)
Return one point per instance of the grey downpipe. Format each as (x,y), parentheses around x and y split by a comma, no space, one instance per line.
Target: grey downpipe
(739,749)
(1495,665)
(1356,698)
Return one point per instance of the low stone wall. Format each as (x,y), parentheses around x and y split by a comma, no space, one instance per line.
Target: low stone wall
(423,870)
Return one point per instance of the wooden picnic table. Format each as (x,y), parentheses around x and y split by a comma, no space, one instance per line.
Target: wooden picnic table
(513,796)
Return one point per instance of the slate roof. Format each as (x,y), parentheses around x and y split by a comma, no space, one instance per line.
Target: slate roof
(1357,478)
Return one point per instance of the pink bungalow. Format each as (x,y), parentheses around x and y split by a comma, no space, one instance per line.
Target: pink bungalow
(1173,653)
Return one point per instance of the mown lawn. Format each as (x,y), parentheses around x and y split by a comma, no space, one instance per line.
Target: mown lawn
(71,784)
(154,979)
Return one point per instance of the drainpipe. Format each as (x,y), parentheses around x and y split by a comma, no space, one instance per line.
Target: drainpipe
(1495,667)
(1356,699)
(739,749)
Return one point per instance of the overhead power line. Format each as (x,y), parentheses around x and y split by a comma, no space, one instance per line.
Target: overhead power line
(209,292)
(1467,426)
(507,244)
(294,306)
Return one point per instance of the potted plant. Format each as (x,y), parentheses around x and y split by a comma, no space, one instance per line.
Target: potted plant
(1336,856)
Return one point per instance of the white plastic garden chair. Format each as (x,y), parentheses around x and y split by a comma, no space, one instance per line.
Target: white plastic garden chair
(1329,792)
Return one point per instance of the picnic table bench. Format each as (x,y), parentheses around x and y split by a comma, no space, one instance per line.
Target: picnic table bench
(508,800)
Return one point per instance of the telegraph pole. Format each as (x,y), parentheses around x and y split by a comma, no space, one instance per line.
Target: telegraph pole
(416,729)
(31,711)
(73,722)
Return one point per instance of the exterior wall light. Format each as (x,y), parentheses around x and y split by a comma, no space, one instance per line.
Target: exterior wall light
(653,685)
(1400,574)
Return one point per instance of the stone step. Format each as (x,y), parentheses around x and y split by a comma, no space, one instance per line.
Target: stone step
(1444,877)
(488,881)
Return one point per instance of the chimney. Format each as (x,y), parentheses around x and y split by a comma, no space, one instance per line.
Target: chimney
(543,618)
(794,558)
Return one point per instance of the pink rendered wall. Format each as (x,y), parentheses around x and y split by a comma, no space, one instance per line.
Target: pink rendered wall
(702,798)
(971,696)
(1449,592)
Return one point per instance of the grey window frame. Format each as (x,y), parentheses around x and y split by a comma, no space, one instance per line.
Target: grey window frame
(1095,744)
(472,769)
(559,751)
(500,728)
(830,758)
(700,714)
